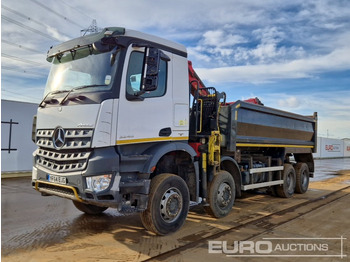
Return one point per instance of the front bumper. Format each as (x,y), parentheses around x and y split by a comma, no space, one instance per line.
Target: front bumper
(124,189)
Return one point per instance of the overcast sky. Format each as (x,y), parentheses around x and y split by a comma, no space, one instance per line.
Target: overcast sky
(292,55)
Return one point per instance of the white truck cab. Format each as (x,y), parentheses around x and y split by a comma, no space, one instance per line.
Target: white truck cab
(112,109)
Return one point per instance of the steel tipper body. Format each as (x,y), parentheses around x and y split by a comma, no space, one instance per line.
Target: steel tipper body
(254,125)
(265,141)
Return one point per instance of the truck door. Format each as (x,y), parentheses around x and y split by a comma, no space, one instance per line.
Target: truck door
(146,117)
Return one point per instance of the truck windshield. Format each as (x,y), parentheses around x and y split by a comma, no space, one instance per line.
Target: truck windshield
(83,67)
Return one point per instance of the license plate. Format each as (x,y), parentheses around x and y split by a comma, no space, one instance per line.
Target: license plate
(57,179)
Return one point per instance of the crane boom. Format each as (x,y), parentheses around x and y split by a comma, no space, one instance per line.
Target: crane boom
(197,84)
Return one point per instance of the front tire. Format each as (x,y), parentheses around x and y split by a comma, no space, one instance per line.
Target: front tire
(221,195)
(287,189)
(89,209)
(168,204)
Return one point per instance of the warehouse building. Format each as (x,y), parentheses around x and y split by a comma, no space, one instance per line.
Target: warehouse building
(16,135)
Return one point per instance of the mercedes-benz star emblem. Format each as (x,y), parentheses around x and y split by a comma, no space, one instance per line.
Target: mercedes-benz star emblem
(58,138)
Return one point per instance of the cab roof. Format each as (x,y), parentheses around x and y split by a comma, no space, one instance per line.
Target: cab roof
(112,32)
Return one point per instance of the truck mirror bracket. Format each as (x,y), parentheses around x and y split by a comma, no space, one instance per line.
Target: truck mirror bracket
(151,69)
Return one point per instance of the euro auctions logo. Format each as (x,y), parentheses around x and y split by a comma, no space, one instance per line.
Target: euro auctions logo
(280,247)
(332,148)
(241,247)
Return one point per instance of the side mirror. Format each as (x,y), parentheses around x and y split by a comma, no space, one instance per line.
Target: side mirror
(34,129)
(114,55)
(151,69)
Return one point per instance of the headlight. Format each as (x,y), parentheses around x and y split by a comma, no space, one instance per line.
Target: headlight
(98,183)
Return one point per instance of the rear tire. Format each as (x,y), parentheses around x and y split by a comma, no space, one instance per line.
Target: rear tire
(286,190)
(168,204)
(89,209)
(302,178)
(221,195)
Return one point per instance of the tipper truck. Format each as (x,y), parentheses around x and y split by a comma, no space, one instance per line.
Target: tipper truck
(126,122)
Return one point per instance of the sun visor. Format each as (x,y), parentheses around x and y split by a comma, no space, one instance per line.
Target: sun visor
(110,32)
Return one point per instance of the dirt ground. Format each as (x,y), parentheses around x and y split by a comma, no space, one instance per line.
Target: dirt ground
(314,226)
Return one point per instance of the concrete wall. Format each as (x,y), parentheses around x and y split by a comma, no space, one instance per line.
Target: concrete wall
(19,157)
(332,148)
(346,147)
(318,154)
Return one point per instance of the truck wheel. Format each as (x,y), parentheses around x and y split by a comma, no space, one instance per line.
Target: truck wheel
(221,195)
(89,209)
(168,204)
(286,190)
(302,178)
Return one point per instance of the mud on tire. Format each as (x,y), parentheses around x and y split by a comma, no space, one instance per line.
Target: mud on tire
(168,204)
(221,195)
(302,178)
(287,189)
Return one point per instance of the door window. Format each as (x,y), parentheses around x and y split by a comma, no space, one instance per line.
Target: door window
(134,76)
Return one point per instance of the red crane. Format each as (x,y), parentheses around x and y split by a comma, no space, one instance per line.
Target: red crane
(196,83)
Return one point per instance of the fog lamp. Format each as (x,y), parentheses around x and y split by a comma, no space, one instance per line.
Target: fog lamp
(98,183)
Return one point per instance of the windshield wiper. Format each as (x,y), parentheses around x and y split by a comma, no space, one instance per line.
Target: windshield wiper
(48,101)
(76,88)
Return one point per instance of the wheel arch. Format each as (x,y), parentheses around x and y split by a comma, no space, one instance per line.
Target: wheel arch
(230,165)
(179,154)
(308,159)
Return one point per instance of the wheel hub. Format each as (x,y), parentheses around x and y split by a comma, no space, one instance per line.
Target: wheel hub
(171,205)
(224,194)
(304,179)
(290,183)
